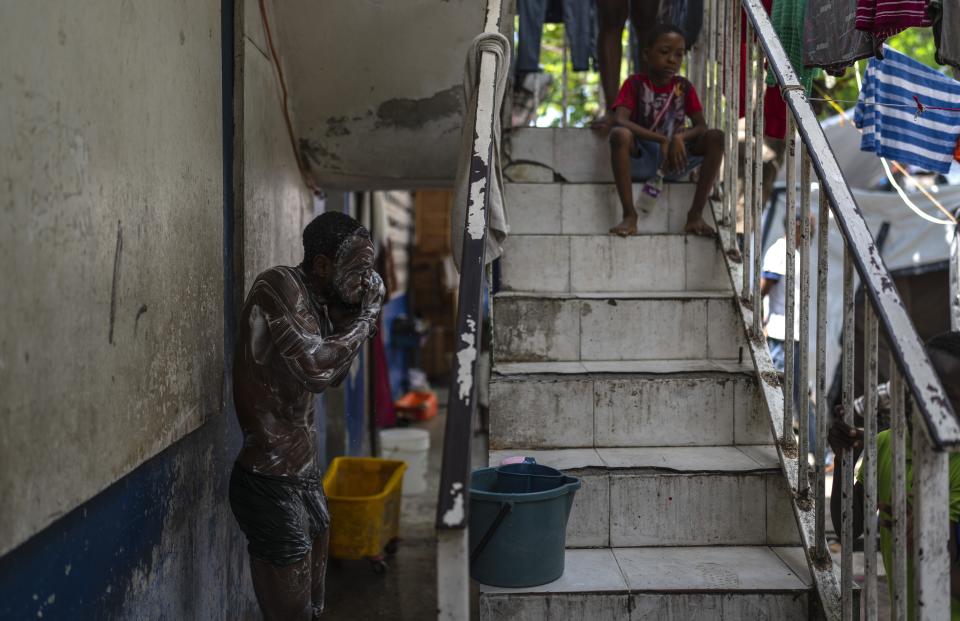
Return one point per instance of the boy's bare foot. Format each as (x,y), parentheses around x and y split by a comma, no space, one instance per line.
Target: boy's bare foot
(627,227)
(697,226)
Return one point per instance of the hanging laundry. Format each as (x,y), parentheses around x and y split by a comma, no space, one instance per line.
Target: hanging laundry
(831,39)
(687,15)
(787,17)
(946,39)
(887,112)
(578,23)
(885,18)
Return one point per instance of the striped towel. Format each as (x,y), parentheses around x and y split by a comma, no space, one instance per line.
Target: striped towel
(895,133)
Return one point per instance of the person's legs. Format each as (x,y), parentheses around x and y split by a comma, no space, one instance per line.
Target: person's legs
(621,143)
(611,18)
(321,545)
(283,592)
(643,17)
(710,147)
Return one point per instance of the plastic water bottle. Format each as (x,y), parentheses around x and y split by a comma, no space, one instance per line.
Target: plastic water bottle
(649,194)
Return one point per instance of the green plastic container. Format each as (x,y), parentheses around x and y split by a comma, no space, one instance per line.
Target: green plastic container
(519,539)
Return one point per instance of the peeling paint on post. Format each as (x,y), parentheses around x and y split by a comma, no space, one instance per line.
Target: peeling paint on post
(465,359)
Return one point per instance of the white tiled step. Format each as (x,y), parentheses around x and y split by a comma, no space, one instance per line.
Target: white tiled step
(591,209)
(732,583)
(604,263)
(577,155)
(673,496)
(694,325)
(693,408)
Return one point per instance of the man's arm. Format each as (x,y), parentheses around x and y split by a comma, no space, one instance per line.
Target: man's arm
(316,361)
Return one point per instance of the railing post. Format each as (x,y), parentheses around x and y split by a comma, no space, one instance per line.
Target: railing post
(847,457)
(453,568)
(955,278)
(803,475)
(870,460)
(747,293)
(931,527)
(789,344)
(898,433)
(823,265)
(757,189)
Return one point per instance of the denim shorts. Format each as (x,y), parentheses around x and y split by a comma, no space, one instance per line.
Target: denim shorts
(645,160)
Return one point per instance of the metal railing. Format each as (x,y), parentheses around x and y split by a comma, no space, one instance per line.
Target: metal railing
(935,428)
(453,571)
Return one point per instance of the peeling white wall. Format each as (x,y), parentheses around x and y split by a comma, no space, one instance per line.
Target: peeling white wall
(111,334)
(376,87)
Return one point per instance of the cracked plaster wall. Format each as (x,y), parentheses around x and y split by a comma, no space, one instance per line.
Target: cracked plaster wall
(376,87)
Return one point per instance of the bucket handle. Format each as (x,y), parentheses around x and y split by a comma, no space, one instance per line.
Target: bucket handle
(505,509)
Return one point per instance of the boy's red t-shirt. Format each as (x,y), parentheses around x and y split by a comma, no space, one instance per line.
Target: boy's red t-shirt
(644,100)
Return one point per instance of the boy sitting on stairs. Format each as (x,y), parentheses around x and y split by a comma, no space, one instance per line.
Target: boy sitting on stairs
(650,140)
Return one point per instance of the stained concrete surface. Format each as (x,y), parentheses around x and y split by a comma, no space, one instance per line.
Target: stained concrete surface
(408,590)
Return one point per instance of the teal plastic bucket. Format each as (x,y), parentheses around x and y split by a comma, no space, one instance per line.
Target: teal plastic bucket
(518,539)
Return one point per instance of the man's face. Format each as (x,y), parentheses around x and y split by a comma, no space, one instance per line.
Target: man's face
(351,272)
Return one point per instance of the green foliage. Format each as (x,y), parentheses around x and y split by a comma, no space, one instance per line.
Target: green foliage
(582,88)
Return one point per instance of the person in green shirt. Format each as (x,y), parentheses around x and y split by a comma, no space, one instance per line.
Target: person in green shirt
(944,353)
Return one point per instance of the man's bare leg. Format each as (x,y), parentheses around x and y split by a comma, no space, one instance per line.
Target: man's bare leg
(710,146)
(621,142)
(283,592)
(611,18)
(318,570)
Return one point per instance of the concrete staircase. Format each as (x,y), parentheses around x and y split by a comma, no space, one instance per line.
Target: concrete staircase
(622,362)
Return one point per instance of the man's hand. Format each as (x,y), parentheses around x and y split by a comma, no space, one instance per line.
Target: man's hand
(371,300)
(842,436)
(676,155)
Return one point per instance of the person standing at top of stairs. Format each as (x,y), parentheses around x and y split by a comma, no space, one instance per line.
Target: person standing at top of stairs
(650,138)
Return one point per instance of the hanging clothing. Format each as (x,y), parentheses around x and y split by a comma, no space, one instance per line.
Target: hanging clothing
(787,18)
(774,107)
(831,39)
(885,18)
(578,24)
(927,140)
(946,39)
(687,15)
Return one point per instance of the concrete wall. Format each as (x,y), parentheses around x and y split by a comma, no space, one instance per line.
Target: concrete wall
(376,87)
(276,203)
(111,339)
(126,218)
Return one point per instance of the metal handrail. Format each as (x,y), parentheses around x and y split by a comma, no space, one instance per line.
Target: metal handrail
(453,498)
(936,430)
(907,347)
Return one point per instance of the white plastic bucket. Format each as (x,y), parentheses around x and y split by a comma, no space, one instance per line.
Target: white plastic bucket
(413,447)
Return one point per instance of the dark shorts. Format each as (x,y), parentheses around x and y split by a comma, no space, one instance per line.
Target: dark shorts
(645,160)
(281,516)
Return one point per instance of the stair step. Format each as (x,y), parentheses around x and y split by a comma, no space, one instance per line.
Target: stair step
(673,496)
(662,584)
(591,208)
(604,263)
(581,327)
(699,408)
(576,155)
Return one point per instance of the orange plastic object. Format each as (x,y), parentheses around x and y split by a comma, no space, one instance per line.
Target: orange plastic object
(363,495)
(417,405)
